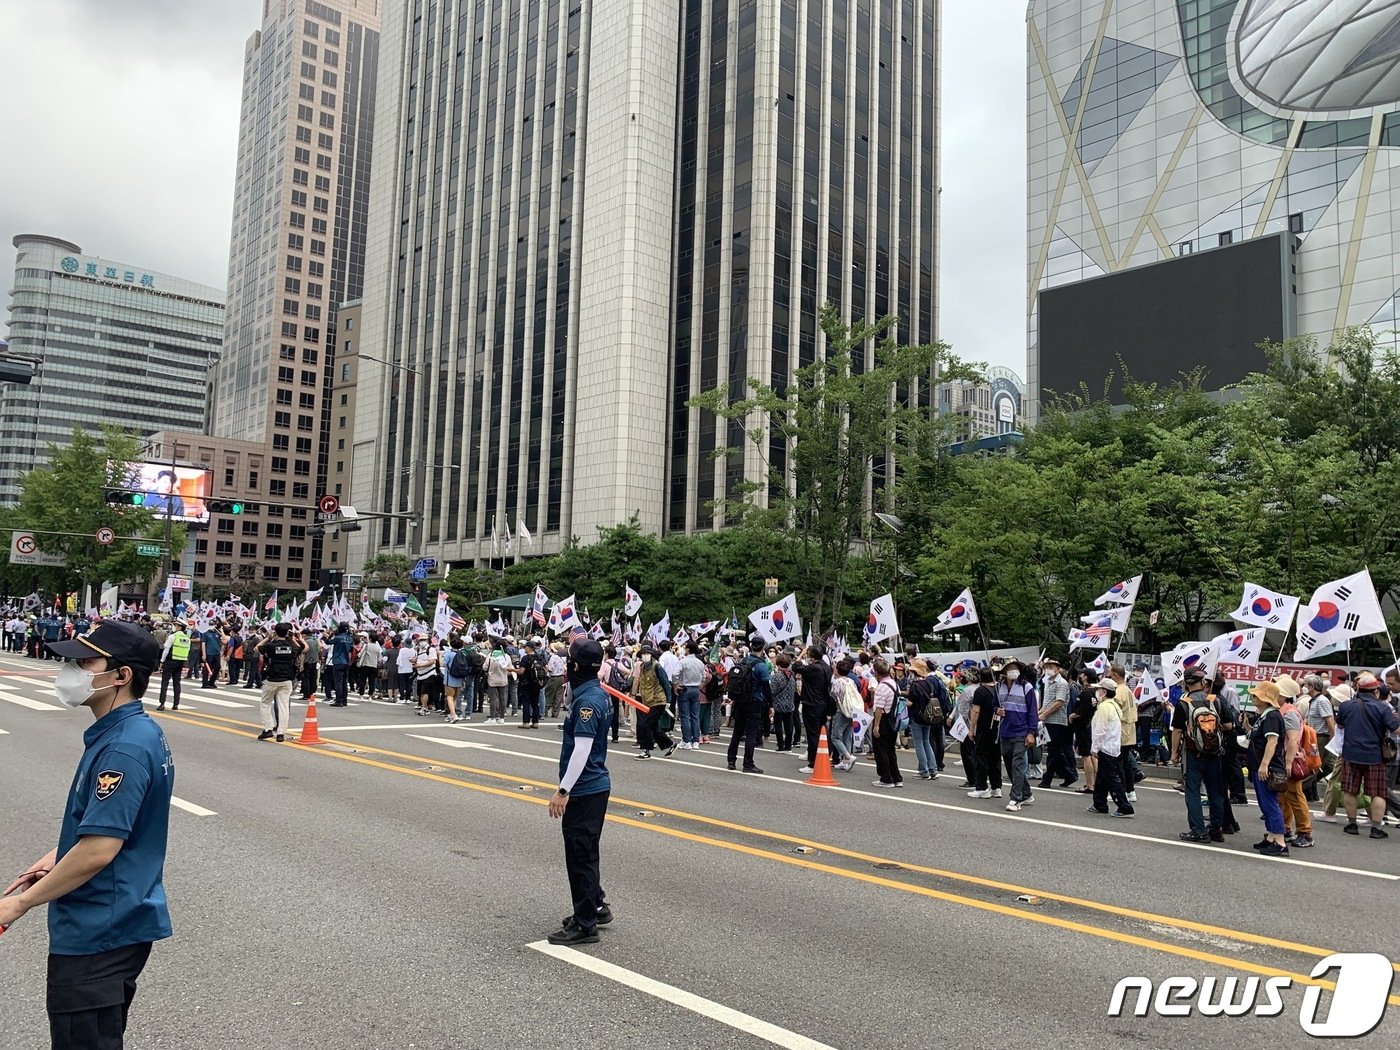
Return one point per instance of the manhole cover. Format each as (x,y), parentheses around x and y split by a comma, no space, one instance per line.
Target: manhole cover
(889,865)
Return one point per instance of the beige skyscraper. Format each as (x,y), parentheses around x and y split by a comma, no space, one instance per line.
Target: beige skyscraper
(301,193)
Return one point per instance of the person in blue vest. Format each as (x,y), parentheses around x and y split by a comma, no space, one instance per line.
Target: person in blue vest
(582,798)
(104,881)
(342,643)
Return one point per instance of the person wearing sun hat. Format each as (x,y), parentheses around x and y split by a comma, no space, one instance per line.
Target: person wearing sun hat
(1365,721)
(104,881)
(1267,766)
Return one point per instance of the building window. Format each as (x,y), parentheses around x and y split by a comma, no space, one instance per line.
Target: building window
(308,379)
(284,397)
(308,400)
(280,442)
(285,374)
(271,573)
(1226,238)
(247,550)
(308,356)
(273,530)
(279,466)
(1184,248)
(277,488)
(272,550)
(302,468)
(304,423)
(222,570)
(293,575)
(252,481)
(344,399)
(223,548)
(345,373)
(228,477)
(296,553)
(1295,222)
(341,443)
(288,352)
(349,324)
(226,529)
(304,446)
(282,419)
(301,490)
(250,528)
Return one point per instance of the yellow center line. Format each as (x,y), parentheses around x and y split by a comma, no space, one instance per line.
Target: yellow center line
(877,880)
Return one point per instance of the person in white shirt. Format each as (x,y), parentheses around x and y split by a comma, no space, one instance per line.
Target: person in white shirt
(554,685)
(403,669)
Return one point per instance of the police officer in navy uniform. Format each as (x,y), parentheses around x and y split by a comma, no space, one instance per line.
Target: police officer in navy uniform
(103,883)
(582,798)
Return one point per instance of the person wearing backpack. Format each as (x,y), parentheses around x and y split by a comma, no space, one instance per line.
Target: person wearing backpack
(846,696)
(925,714)
(1018,709)
(884,730)
(1198,740)
(652,687)
(530,685)
(817,705)
(749,698)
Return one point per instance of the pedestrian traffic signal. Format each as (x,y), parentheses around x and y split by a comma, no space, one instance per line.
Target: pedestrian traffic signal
(224,506)
(124,498)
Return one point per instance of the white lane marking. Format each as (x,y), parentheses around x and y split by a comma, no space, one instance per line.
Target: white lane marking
(725,1015)
(204,698)
(361,729)
(453,743)
(190,807)
(4,732)
(24,701)
(185,705)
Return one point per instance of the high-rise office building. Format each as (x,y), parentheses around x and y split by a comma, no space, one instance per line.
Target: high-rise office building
(301,194)
(584,214)
(109,342)
(1205,175)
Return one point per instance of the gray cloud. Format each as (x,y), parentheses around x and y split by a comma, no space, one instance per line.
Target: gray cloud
(122,122)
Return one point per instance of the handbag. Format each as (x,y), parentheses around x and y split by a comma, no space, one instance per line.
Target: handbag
(1278,781)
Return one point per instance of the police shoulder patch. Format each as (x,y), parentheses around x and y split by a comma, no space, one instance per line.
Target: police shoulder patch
(107,783)
(585,713)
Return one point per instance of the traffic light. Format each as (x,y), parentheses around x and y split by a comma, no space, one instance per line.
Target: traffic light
(124,498)
(225,506)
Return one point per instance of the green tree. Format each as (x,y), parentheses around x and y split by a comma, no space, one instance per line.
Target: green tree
(67,497)
(389,570)
(842,423)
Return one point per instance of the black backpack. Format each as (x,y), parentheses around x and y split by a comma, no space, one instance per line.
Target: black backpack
(619,677)
(741,681)
(530,672)
(461,664)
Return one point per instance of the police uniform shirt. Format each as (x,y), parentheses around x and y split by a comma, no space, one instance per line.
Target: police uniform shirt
(121,790)
(590,716)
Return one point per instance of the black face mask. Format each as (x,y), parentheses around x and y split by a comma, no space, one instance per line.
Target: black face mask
(580,673)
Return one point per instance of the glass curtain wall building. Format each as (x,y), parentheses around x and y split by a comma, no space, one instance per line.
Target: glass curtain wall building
(1162,129)
(599,210)
(110,342)
(301,200)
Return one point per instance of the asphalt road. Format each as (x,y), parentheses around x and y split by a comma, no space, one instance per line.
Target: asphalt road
(390,888)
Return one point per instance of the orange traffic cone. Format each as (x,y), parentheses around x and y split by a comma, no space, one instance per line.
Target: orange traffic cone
(309,733)
(821,772)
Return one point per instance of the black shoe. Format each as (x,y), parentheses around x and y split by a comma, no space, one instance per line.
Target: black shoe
(160,707)
(671,750)
(1377,833)
(574,934)
(1194,836)
(1139,778)
(1238,800)
(1273,849)
(1070,783)
(280,738)
(1352,829)
(730,766)
(752,769)
(1231,829)
(175,706)
(1045,782)
(1217,836)
(605,916)
(266,734)
(1262,844)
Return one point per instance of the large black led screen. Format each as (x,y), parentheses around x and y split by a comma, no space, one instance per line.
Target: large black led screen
(1210,309)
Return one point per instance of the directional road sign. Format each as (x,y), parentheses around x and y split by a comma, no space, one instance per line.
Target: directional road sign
(328,504)
(105,535)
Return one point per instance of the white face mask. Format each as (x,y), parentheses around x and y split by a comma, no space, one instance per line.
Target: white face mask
(73,685)
(1012,675)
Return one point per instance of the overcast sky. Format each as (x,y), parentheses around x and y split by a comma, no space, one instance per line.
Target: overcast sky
(121,125)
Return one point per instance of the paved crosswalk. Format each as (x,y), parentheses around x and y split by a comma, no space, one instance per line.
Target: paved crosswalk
(11,694)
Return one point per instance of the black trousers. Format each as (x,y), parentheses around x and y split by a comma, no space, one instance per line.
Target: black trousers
(812,722)
(308,679)
(886,764)
(89,997)
(235,668)
(170,671)
(583,827)
(648,733)
(1059,758)
(782,728)
(747,719)
(1109,782)
(211,671)
(988,761)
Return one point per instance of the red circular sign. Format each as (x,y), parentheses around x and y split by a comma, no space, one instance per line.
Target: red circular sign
(25,544)
(105,536)
(328,504)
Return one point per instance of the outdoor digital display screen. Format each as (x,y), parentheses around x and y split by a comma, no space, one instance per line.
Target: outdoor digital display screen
(184,490)
(1210,309)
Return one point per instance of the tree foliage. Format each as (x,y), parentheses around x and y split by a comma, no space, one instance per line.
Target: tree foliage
(67,497)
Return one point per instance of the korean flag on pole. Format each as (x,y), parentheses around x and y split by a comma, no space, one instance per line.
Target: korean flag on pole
(1186,657)
(1340,610)
(1099,664)
(1240,647)
(634,602)
(565,615)
(962,613)
(1123,593)
(778,621)
(1114,619)
(881,623)
(1262,607)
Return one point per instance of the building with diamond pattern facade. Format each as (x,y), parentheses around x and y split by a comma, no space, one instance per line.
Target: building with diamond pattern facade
(1205,174)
